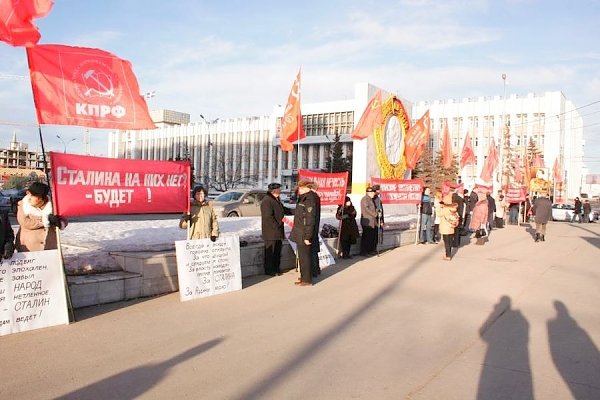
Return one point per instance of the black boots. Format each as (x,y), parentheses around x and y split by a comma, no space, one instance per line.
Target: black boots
(537,237)
(543,238)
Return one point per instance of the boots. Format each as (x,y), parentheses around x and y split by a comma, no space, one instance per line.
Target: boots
(537,237)
(543,238)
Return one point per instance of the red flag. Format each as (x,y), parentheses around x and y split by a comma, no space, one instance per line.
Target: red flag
(370,118)
(85,87)
(416,139)
(491,162)
(446,148)
(16,26)
(292,128)
(467,156)
(518,172)
(557,171)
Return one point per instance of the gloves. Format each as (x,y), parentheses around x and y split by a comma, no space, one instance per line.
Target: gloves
(54,220)
(213,238)
(9,249)
(186,217)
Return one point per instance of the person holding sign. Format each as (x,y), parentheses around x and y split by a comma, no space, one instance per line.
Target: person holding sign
(202,218)
(272,212)
(36,221)
(305,230)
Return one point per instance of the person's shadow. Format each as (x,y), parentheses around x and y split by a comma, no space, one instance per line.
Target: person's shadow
(575,355)
(506,373)
(135,382)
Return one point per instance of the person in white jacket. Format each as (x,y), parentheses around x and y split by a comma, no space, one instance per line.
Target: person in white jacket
(501,207)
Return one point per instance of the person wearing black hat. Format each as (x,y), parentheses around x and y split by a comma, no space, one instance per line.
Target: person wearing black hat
(368,222)
(202,218)
(272,212)
(380,218)
(346,213)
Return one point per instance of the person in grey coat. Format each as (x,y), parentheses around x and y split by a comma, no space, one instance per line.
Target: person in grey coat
(368,222)
(542,209)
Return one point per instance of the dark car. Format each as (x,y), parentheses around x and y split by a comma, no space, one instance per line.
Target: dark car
(15,195)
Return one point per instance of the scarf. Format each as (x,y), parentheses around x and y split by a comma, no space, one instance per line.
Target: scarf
(43,212)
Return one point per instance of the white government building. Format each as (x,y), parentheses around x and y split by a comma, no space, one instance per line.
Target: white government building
(246,150)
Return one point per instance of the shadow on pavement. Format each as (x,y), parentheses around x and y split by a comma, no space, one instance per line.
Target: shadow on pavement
(135,382)
(506,372)
(306,352)
(575,355)
(84,313)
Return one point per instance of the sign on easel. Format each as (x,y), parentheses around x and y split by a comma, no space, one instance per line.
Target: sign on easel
(206,268)
(32,292)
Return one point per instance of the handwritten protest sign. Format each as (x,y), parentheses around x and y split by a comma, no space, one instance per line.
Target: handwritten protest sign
(85,185)
(206,268)
(32,292)
(394,191)
(331,186)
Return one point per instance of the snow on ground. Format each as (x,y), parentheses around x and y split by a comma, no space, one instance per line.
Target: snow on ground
(86,245)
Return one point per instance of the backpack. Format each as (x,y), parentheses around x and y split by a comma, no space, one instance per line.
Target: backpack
(452,219)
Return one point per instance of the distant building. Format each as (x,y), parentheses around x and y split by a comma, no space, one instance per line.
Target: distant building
(18,160)
(247,149)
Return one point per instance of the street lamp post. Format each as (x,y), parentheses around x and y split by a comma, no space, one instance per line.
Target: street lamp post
(207,171)
(65,144)
(505,149)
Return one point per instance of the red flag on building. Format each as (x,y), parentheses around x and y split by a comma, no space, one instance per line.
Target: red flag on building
(16,26)
(85,87)
(467,156)
(518,171)
(416,139)
(557,171)
(292,128)
(446,148)
(491,162)
(369,119)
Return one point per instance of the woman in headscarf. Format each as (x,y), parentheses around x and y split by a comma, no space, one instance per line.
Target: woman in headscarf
(202,218)
(480,216)
(346,213)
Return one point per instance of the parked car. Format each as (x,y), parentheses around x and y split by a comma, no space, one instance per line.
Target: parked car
(5,203)
(15,195)
(239,203)
(562,212)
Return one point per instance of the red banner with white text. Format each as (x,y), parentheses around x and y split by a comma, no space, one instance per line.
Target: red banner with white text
(394,191)
(516,194)
(85,185)
(331,186)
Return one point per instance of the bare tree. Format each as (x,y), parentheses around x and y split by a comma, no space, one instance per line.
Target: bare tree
(229,174)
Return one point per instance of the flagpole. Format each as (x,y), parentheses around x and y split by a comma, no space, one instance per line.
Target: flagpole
(44,154)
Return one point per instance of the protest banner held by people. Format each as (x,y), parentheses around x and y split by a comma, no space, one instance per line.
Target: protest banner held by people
(201,219)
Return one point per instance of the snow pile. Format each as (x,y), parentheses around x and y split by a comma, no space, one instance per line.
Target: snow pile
(86,245)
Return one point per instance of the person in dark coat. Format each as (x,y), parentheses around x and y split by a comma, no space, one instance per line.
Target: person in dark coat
(7,236)
(272,212)
(460,209)
(305,230)
(380,217)
(543,213)
(368,223)
(491,210)
(315,269)
(587,211)
(577,210)
(346,213)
